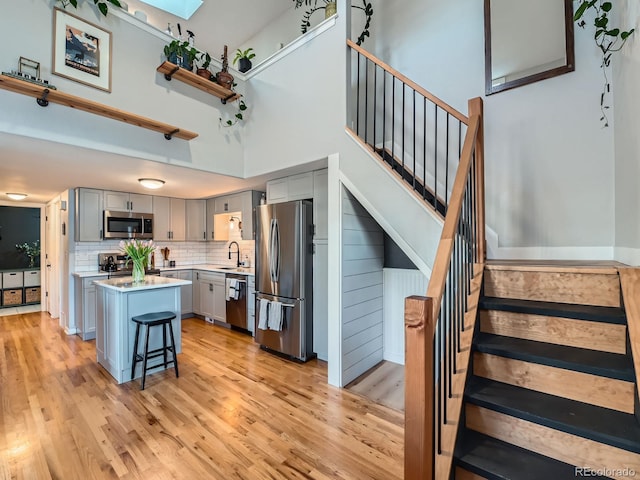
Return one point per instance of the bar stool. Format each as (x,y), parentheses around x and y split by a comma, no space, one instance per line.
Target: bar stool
(151,320)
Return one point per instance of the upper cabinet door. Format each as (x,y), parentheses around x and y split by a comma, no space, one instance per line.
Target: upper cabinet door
(140,203)
(161,219)
(89,215)
(178,219)
(116,201)
(196,220)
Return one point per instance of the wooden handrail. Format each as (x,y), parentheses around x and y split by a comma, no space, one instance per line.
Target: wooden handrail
(426,433)
(440,268)
(455,113)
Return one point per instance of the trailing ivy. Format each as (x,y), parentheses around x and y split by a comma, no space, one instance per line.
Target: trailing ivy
(609,39)
(101,4)
(366,8)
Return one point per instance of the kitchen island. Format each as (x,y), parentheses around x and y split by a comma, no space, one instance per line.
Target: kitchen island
(118,299)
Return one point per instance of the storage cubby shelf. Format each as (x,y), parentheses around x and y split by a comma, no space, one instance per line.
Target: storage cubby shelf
(171,70)
(45,95)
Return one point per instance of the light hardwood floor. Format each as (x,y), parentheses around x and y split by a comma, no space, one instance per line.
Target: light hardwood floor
(383,384)
(236,412)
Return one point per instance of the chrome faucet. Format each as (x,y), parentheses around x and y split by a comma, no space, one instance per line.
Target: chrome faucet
(237,252)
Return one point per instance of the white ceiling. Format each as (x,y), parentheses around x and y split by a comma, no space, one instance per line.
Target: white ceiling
(22,159)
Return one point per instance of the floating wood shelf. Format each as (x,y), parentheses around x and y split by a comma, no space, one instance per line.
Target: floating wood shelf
(44,95)
(171,70)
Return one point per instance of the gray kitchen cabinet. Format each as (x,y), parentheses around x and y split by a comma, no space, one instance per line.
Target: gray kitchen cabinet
(186,291)
(86,305)
(212,295)
(219,299)
(228,203)
(251,304)
(127,202)
(295,187)
(169,219)
(89,215)
(321,204)
(196,220)
(242,203)
(211,210)
(195,291)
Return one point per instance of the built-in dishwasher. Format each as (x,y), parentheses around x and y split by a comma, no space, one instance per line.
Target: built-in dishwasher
(236,286)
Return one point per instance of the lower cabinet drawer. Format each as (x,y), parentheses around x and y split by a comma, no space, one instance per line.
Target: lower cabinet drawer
(32,295)
(12,297)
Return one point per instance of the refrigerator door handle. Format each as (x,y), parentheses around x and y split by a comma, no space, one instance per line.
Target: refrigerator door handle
(276,260)
(272,249)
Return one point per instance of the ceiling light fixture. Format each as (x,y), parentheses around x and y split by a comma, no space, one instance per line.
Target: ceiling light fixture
(152,183)
(17,196)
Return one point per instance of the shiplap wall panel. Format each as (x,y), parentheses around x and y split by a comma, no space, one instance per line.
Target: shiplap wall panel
(362,290)
(398,284)
(362,309)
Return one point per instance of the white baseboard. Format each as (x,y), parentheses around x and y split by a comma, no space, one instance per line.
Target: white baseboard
(71,331)
(628,256)
(496,252)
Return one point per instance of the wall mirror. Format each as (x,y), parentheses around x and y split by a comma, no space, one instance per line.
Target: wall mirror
(526,41)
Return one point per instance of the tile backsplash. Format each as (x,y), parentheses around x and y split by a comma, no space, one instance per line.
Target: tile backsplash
(183,253)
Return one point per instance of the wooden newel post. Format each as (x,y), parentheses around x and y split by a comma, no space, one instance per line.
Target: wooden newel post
(418,397)
(476,108)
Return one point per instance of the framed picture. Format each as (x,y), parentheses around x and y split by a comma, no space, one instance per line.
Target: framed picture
(81,50)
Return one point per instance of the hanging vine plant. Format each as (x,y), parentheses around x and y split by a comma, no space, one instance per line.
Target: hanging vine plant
(330,6)
(609,40)
(101,4)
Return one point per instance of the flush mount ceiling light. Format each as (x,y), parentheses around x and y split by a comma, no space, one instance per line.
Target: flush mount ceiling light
(179,8)
(151,183)
(17,196)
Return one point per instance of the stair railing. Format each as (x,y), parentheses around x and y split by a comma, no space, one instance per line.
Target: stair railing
(439,327)
(416,134)
(421,138)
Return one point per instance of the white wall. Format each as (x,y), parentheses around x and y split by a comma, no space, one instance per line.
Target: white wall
(549,164)
(626,77)
(362,289)
(136,88)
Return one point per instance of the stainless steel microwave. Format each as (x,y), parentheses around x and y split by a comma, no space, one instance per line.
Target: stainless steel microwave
(128,225)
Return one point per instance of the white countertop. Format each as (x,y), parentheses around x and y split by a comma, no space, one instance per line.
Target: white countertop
(206,267)
(124,284)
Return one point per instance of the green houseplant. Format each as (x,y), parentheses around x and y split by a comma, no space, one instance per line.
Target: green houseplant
(238,116)
(243,58)
(329,6)
(138,252)
(203,68)
(101,4)
(181,54)
(31,250)
(609,39)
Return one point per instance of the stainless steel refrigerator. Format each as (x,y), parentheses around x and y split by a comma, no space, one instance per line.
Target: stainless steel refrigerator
(284,274)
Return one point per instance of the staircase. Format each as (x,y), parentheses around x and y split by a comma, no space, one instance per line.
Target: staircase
(551,389)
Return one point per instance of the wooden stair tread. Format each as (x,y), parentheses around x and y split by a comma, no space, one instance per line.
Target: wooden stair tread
(577,418)
(610,365)
(615,315)
(604,267)
(498,460)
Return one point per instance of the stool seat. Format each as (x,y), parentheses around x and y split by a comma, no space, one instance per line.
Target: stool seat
(154,318)
(149,320)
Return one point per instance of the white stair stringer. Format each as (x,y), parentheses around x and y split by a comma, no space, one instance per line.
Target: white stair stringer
(414,226)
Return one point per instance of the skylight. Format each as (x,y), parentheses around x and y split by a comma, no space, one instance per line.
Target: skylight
(179,8)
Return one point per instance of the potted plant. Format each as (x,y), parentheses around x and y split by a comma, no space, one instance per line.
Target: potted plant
(181,54)
(224,78)
(101,4)
(237,117)
(203,69)
(243,58)
(329,6)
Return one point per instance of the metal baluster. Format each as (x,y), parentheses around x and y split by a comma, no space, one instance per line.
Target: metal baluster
(393,123)
(424,151)
(404,88)
(384,110)
(375,103)
(414,140)
(366,100)
(446,164)
(358,97)
(435,158)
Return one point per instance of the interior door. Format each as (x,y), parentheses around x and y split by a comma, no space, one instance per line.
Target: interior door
(52,285)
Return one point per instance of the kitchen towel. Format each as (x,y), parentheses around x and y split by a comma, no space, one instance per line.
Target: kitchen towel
(232,285)
(263,314)
(275,316)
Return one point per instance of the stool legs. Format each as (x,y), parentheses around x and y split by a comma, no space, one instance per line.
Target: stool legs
(156,352)
(173,350)
(135,352)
